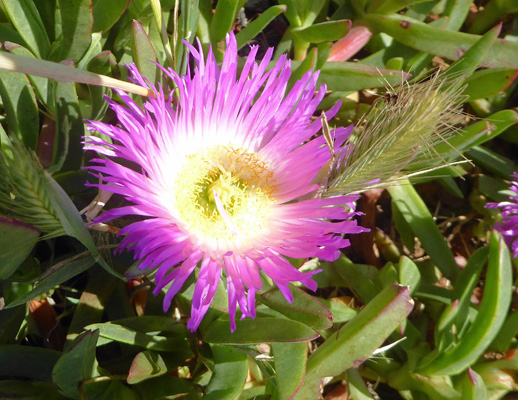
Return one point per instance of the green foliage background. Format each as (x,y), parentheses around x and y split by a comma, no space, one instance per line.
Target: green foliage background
(423,307)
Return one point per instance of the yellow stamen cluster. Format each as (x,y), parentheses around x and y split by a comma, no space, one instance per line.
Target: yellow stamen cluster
(240,179)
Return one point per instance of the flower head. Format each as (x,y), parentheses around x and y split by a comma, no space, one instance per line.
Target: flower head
(222,176)
(508,226)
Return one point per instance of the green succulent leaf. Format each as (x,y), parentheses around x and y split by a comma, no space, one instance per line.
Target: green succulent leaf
(21,106)
(304,307)
(16,242)
(416,214)
(223,19)
(18,362)
(76,365)
(105,14)
(290,367)
(173,339)
(26,19)
(438,41)
(76,22)
(57,274)
(357,339)
(491,316)
(146,365)
(144,54)
(472,386)
(230,370)
(328,31)
(258,330)
(258,24)
(489,82)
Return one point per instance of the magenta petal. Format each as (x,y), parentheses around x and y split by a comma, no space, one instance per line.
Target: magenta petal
(508,227)
(204,291)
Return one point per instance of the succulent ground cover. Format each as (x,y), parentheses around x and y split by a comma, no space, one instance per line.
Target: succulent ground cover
(420,304)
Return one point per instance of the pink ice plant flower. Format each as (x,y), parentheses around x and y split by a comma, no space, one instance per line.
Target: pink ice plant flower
(220,173)
(508,226)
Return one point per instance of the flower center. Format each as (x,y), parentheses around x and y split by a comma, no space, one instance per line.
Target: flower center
(224,192)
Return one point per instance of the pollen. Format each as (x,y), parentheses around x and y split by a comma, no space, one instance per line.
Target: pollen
(224,192)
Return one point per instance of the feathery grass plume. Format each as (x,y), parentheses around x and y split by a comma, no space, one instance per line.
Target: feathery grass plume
(398,137)
(22,195)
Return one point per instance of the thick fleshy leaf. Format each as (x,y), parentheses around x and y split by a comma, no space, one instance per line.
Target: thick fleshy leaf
(405,231)
(10,35)
(292,12)
(40,85)
(471,59)
(328,31)
(47,11)
(25,17)
(71,219)
(507,334)
(97,106)
(478,133)
(472,386)
(163,386)
(349,76)
(76,365)
(493,189)
(290,367)
(409,274)
(441,42)
(19,101)
(356,386)
(11,321)
(497,164)
(417,215)
(223,19)
(304,307)
(253,392)
(230,371)
(357,339)
(107,390)
(489,82)
(309,63)
(146,365)
(258,330)
(67,155)
(27,362)
(67,213)
(491,316)
(188,22)
(463,290)
(106,14)
(174,338)
(61,272)
(341,311)
(302,13)
(426,387)
(17,239)
(457,11)
(257,25)
(390,6)
(153,323)
(94,49)
(144,54)
(14,389)
(491,13)
(360,278)
(94,298)
(76,22)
